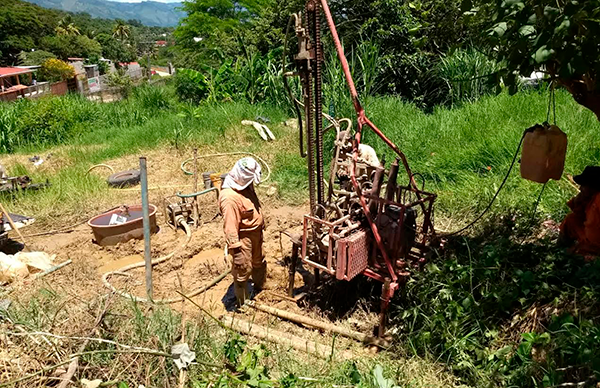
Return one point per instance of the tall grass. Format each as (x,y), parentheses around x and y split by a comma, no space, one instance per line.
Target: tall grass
(468,74)
(50,309)
(462,153)
(364,62)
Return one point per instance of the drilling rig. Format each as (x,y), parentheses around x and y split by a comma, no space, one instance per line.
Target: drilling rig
(363,220)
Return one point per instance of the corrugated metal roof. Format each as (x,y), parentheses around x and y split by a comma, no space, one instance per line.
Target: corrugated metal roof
(10,71)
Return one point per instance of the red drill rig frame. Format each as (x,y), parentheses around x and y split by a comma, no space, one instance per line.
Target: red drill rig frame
(353,230)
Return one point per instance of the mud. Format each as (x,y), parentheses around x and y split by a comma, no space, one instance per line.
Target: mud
(197,264)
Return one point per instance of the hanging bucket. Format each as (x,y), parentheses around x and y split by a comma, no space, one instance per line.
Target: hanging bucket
(543,155)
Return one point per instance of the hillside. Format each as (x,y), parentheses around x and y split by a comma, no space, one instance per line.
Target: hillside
(150,13)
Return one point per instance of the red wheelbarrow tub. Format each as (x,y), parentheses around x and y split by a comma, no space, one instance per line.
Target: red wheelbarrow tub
(105,234)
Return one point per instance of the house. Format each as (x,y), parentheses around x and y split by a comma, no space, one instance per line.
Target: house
(77,64)
(160,43)
(132,69)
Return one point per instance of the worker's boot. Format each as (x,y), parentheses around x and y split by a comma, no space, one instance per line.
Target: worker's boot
(240,289)
(259,277)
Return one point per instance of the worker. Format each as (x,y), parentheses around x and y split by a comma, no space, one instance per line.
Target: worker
(581,228)
(243,225)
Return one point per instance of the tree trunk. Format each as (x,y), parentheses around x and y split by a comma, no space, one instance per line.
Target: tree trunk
(583,95)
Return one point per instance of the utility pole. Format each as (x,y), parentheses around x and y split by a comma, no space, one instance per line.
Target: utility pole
(149,68)
(148,53)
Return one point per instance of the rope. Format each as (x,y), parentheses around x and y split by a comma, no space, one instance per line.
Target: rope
(186,172)
(551,102)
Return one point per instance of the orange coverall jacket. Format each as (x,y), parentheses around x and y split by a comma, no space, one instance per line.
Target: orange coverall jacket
(243,224)
(583,226)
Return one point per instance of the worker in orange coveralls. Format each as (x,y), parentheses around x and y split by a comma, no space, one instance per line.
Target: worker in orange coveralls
(581,227)
(243,225)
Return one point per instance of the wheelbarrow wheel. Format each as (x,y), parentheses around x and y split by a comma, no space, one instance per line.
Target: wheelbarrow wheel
(124,178)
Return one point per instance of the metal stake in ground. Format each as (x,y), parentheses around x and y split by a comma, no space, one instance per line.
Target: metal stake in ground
(146,219)
(195,205)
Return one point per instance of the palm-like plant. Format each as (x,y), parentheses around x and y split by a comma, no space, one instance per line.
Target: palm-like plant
(67,27)
(121,30)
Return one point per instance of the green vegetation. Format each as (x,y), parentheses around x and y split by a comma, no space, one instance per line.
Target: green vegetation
(239,363)
(55,70)
(558,38)
(501,306)
(26,28)
(488,305)
(505,308)
(462,153)
(406,40)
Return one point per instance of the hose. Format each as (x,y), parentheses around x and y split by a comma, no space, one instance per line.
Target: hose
(489,206)
(112,170)
(121,272)
(287,86)
(186,172)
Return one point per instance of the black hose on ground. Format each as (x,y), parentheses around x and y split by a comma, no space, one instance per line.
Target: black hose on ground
(489,206)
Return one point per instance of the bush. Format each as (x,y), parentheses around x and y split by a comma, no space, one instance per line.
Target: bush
(54,70)
(119,79)
(65,46)
(152,98)
(501,311)
(34,58)
(50,120)
(191,85)
(468,74)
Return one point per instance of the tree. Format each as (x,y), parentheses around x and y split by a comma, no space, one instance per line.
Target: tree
(22,25)
(34,58)
(115,50)
(559,38)
(121,30)
(210,23)
(56,70)
(66,27)
(65,46)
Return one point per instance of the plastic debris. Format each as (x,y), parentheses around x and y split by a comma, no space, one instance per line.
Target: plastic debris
(263,131)
(22,264)
(5,304)
(19,221)
(85,383)
(264,119)
(117,219)
(182,355)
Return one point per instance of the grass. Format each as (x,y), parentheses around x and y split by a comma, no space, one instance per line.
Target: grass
(463,153)
(56,310)
(462,315)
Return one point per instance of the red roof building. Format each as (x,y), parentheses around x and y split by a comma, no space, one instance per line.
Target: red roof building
(13,71)
(10,82)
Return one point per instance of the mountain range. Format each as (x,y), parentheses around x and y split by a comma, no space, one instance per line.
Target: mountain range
(149,13)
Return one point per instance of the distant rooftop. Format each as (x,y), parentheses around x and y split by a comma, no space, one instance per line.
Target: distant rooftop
(12,71)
